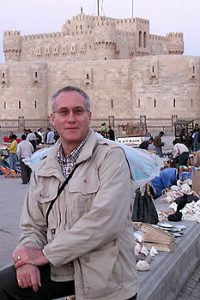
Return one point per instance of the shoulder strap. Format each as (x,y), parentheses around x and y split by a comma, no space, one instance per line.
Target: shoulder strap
(61,188)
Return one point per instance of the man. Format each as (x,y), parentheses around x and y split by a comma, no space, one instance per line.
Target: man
(145,144)
(167,178)
(180,153)
(50,137)
(24,150)
(31,138)
(159,144)
(81,243)
(111,134)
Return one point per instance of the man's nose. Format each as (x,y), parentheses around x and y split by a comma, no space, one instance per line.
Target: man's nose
(71,116)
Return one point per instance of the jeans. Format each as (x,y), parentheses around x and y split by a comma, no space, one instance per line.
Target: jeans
(159,151)
(13,161)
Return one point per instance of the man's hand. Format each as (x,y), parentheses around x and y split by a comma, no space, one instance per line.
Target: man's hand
(27,255)
(28,276)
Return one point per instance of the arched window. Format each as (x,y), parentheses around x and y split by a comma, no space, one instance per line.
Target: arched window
(140,38)
(154,103)
(174,102)
(35,104)
(4,105)
(145,39)
(19,105)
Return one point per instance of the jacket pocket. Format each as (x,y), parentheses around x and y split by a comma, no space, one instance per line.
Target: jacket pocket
(82,193)
(101,271)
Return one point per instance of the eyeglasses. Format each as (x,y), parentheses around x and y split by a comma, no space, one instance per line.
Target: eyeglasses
(77,111)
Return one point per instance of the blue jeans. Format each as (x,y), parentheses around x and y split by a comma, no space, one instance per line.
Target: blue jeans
(159,151)
(13,161)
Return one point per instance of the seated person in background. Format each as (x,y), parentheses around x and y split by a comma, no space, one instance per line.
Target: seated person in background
(167,178)
(145,144)
(180,153)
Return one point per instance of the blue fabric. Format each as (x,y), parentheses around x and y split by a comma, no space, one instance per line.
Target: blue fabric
(166,179)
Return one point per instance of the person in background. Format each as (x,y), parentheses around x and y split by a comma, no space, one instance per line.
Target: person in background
(50,137)
(12,151)
(80,233)
(183,137)
(31,138)
(145,144)
(159,144)
(167,178)
(24,150)
(111,134)
(180,153)
(104,130)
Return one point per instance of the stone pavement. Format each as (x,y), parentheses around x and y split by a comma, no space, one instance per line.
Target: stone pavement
(12,194)
(191,290)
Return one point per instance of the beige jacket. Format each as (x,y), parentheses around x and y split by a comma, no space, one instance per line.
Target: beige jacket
(89,237)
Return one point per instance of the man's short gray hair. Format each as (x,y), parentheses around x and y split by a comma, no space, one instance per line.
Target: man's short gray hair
(70,89)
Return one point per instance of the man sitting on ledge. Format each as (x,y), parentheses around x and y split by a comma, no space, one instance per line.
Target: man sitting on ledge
(76,239)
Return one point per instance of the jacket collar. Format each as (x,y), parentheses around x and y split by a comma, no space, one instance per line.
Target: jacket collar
(50,166)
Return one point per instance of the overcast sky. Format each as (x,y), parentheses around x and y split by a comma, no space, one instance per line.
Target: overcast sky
(40,16)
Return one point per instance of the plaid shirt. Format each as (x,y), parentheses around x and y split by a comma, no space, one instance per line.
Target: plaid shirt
(67,162)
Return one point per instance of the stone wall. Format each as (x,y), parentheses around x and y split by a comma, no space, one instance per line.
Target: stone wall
(154,86)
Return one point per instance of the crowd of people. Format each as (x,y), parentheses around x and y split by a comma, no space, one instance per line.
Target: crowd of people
(25,146)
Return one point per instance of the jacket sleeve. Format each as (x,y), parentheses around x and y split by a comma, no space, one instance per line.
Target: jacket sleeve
(32,220)
(107,219)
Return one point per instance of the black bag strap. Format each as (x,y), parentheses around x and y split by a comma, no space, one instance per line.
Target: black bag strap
(61,188)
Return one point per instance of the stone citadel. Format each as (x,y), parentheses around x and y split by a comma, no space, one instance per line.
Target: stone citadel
(128,72)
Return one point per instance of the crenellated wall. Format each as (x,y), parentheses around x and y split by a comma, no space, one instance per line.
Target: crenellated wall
(91,37)
(127,71)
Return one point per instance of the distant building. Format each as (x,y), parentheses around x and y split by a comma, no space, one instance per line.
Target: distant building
(128,72)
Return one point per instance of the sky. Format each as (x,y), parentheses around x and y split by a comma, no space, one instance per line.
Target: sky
(45,16)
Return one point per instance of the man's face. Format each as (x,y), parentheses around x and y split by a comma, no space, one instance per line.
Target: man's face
(71,119)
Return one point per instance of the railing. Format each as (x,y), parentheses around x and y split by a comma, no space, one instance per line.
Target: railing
(155,125)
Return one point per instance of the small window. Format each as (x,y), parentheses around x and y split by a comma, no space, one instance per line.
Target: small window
(19,105)
(154,103)
(4,105)
(35,104)
(3,75)
(138,103)
(140,39)
(111,103)
(145,40)
(193,69)
(88,77)
(174,102)
(153,69)
(36,74)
